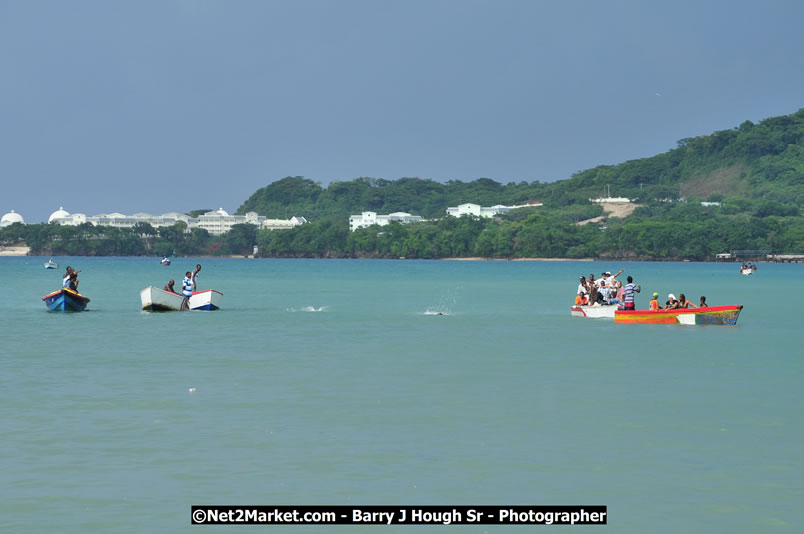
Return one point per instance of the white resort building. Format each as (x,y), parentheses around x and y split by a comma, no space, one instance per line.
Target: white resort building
(215,222)
(479,211)
(368,218)
(611,200)
(11,218)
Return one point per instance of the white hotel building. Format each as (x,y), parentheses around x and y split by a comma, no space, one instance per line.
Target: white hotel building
(367,218)
(479,211)
(215,222)
(10,218)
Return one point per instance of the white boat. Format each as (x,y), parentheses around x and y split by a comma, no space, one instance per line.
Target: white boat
(594,312)
(747,271)
(155,299)
(209,299)
(50,264)
(165,261)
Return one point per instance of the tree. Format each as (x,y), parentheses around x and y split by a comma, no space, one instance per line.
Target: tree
(241,238)
(144,229)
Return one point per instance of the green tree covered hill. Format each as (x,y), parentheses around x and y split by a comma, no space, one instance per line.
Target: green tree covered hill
(756,172)
(754,161)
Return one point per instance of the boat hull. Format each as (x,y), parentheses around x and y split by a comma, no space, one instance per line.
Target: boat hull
(712,315)
(155,299)
(594,312)
(65,300)
(51,265)
(208,300)
(747,272)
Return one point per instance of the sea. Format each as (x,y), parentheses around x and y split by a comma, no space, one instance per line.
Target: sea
(397,383)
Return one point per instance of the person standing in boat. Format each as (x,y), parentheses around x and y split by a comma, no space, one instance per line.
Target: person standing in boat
(187,287)
(629,292)
(593,285)
(608,279)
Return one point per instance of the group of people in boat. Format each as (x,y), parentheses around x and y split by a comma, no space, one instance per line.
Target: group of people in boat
(674,303)
(608,291)
(748,265)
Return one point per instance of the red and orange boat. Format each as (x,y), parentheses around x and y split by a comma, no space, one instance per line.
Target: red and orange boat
(722,315)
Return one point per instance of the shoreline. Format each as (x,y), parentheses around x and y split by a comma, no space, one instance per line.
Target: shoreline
(21,251)
(480,258)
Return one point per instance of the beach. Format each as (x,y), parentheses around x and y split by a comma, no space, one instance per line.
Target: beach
(14,251)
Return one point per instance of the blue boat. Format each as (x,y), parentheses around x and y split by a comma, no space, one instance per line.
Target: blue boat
(65,300)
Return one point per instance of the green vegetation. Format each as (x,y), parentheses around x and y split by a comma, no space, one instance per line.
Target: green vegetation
(756,171)
(659,232)
(143,239)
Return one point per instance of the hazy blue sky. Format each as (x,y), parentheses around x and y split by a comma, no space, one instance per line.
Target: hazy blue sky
(155,106)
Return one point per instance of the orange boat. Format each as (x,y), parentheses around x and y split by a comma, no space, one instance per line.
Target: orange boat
(724,315)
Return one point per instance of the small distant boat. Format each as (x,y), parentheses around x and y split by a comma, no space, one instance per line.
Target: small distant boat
(747,271)
(165,261)
(50,264)
(65,300)
(720,315)
(594,312)
(155,299)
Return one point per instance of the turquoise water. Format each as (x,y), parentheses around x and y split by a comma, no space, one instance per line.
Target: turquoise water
(334,382)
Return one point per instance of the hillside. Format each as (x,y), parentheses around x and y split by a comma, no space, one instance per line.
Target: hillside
(763,161)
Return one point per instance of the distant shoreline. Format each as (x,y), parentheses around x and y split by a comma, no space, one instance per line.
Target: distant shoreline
(12,251)
(480,258)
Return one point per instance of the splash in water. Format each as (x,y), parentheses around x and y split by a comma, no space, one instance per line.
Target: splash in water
(446,303)
(309,309)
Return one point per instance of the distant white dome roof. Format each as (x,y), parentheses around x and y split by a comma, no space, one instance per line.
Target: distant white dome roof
(222,212)
(58,214)
(12,217)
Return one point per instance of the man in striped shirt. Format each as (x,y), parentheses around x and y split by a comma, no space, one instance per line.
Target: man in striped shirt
(629,290)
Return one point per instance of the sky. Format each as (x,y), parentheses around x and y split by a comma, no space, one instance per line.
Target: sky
(175,105)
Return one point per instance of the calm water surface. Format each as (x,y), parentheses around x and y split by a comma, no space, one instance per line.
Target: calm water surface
(336,382)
